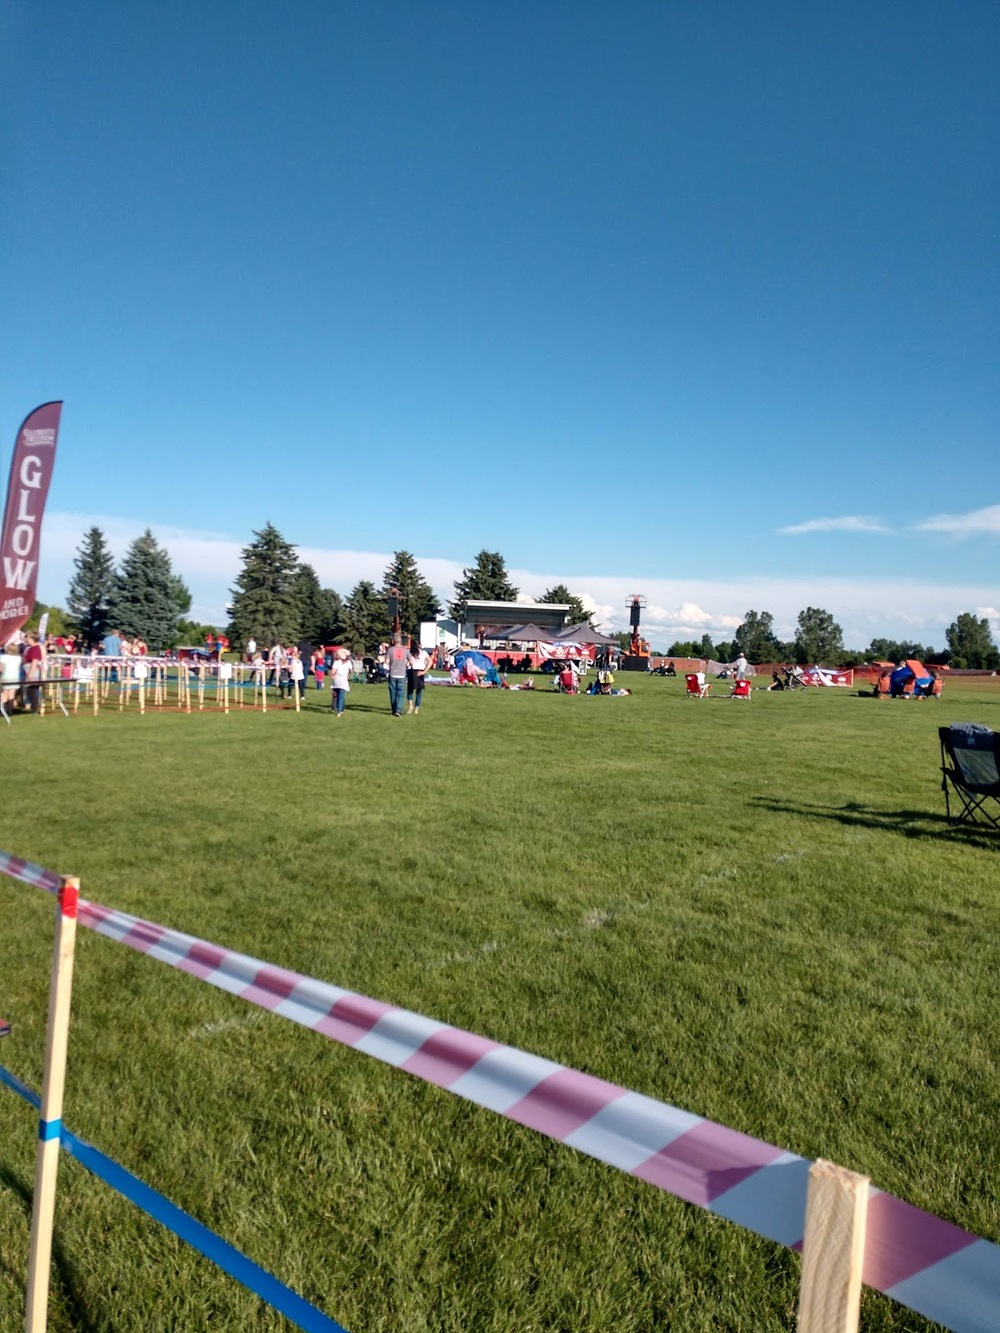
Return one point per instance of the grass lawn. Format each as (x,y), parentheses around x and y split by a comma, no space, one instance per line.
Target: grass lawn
(754,911)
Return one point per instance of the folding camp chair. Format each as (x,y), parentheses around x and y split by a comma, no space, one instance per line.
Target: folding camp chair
(970,768)
(697,689)
(740,690)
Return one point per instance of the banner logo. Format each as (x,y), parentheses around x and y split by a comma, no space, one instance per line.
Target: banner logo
(28,488)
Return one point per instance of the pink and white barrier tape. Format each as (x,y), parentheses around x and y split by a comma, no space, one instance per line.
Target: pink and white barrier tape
(923,1262)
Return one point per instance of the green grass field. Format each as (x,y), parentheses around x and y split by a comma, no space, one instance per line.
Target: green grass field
(754,911)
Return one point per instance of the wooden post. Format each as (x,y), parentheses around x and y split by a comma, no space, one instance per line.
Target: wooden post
(834,1248)
(50,1122)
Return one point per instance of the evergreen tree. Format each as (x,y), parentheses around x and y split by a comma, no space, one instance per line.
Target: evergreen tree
(90,588)
(313,607)
(416,596)
(143,601)
(971,643)
(818,639)
(332,623)
(265,603)
(561,596)
(366,618)
(181,595)
(485,581)
(756,638)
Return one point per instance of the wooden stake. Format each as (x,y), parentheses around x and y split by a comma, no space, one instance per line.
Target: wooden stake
(834,1248)
(50,1123)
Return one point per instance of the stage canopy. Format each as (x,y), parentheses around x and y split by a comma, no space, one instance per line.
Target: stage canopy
(498,617)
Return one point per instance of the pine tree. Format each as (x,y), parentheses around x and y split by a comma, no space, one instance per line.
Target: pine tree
(313,607)
(416,596)
(561,596)
(332,624)
(265,603)
(143,601)
(484,581)
(366,618)
(90,588)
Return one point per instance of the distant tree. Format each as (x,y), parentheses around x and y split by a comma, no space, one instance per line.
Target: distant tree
(560,595)
(485,581)
(725,651)
(265,603)
(312,605)
(818,639)
(193,633)
(417,601)
(366,618)
(143,601)
(624,638)
(971,643)
(58,621)
(707,648)
(889,650)
(687,648)
(756,637)
(90,588)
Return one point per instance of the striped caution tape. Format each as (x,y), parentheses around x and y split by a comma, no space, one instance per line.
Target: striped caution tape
(925,1263)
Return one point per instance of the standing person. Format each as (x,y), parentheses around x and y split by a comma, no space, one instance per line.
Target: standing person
(10,673)
(417,662)
(340,681)
(251,648)
(740,667)
(33,659)
(306,652)
(276,657)
(395,660)
(296,673)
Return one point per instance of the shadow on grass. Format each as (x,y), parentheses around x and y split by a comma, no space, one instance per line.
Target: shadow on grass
(908,823)
(64,1273)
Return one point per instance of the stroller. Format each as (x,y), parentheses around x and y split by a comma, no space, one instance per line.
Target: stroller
(375,672)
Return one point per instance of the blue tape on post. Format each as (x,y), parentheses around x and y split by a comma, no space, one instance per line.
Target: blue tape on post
(49,1129)
(213,1247)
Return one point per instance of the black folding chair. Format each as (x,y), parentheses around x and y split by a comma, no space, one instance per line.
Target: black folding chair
(970,771)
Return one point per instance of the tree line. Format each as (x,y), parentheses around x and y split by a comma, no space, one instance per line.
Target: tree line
(278,598)
(819,639)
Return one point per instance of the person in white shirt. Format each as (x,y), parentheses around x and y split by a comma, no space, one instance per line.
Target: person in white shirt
(740,667)
(417,662)
(251,648)
(340,681)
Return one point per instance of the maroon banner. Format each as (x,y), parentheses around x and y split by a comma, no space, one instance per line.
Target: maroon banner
(28,488)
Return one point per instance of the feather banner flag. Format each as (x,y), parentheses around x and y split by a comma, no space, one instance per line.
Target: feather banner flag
(27,490)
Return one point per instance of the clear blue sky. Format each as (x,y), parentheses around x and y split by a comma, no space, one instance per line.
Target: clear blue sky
(622,291)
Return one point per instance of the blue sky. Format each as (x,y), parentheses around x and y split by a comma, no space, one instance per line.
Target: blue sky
(697,301)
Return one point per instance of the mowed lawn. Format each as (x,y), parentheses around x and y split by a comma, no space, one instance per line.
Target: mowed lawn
(755,912)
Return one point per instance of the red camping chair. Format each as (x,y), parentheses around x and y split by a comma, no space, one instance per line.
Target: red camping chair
(697,689)
(741,690)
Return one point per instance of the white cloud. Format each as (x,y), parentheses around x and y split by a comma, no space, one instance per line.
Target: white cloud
(676,608)
(965,525)
(847,523)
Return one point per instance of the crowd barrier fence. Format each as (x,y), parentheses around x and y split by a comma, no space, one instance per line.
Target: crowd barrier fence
(849,1232)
